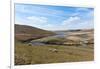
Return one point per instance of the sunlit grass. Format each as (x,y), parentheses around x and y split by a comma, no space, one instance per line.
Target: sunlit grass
(25,54)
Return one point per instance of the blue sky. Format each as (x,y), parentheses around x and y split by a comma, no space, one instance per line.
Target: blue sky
(54,17)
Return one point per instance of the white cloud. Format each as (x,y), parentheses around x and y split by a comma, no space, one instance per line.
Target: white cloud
(79,17)
(34,21)
(71,20)
(23,23)
(17,22)
(38,10)
(37,20)
(77,22)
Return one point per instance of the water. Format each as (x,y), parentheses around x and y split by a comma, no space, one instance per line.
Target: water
(37,43)
(58,35)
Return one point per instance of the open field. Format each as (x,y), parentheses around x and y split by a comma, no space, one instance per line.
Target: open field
(25,54)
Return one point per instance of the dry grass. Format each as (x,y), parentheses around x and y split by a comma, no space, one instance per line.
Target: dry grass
(25,54)
(69,51)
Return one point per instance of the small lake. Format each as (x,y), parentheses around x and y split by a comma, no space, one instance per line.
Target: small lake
(61,34)
(58,35)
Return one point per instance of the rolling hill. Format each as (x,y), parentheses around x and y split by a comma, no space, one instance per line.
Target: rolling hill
(26,33)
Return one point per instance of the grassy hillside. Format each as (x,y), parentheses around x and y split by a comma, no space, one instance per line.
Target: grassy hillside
(76,46)
(24,32)
(25,54)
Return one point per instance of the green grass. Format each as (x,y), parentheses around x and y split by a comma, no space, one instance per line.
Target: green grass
(25,54)
(51,40)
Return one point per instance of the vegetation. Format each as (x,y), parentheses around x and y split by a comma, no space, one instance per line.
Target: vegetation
(27,33)
(76,46)
(25,54)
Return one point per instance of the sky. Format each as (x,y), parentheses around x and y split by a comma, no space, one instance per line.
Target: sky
(49,17)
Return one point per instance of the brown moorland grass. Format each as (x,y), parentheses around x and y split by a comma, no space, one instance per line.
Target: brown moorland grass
(25,54)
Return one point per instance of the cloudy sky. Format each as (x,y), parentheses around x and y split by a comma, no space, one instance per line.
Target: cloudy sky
(54,17)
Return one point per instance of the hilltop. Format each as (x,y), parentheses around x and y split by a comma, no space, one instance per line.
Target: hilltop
(24,32)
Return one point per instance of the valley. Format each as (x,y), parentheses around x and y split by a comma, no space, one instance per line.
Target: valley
(36,46)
